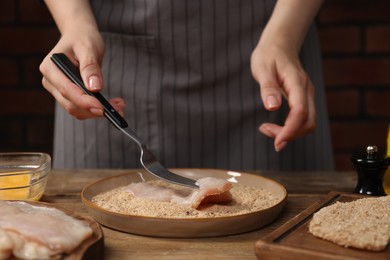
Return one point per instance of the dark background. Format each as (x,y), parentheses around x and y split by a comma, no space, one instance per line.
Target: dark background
(355,38)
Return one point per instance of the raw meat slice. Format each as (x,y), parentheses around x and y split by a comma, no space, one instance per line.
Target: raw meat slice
(37,231)
(23,248)
(211,190)
(6,245)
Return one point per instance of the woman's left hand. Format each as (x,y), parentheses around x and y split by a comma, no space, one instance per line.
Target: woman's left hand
(279,72)
(276,67)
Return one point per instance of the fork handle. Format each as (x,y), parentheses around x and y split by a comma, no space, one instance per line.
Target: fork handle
(72,72)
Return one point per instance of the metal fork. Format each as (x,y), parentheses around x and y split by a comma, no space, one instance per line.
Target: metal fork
(150,163)
(147,159)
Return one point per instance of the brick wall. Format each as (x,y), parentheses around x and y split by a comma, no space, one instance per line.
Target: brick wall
(27,33)
(355,37)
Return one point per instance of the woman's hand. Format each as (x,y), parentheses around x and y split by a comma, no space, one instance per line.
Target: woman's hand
(82,43)
(280,73)
(276,67)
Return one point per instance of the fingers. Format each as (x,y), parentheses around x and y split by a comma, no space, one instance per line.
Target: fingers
(90,72)
(85,49)
(67,94)
(272,131)
(72,98)
(295,85)
(72,103)
(296,88)
(300,119)
(118,104)
(270,90)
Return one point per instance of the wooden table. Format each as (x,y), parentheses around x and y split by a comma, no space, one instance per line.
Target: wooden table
(304,188)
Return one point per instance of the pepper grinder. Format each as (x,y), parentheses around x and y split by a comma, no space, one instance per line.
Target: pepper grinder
(370,169)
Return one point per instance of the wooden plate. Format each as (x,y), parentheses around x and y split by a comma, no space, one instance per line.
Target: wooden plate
(93,247)
(185,227)
(294,241)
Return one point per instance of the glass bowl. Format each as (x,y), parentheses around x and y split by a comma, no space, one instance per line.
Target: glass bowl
(23,176)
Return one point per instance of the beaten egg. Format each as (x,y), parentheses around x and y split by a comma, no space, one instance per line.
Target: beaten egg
(15,186)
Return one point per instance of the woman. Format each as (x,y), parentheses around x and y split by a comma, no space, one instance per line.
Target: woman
(189,74)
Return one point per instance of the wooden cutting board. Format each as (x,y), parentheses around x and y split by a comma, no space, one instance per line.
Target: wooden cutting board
(293,240)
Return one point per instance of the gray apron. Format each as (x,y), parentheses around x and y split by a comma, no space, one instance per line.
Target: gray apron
(183,67)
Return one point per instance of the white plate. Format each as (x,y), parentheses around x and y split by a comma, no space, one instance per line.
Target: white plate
(185,227)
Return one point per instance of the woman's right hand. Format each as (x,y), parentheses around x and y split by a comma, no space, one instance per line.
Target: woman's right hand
(84,46)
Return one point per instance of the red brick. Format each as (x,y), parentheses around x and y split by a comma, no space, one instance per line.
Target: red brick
(377,103)
(355,136)
(7,11)
(344,103)
(356,71)
(40,132)
(378,39)
(29,40)
(352,11)
(26,103)
(345,39)
(8,73)
(11,134)
(34,12)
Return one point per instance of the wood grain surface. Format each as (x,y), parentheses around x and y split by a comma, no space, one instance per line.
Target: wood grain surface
(305,189)
(293,239)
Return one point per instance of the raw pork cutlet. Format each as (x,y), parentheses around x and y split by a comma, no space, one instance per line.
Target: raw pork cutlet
(32,232)
(363,223)
(13,244)
(211,190)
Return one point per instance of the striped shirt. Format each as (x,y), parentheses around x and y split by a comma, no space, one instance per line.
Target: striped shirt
(183,68)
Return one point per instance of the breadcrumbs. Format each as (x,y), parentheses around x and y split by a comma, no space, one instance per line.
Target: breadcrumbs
(246,199)
(363,223)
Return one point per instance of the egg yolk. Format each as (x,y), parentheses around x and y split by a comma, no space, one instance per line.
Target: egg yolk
(13,181)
